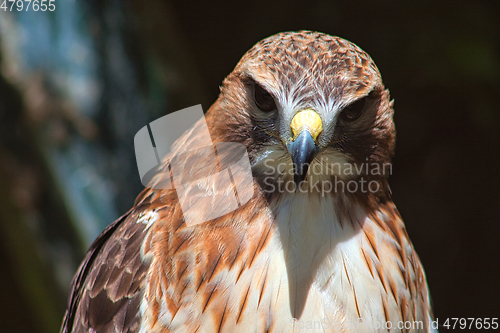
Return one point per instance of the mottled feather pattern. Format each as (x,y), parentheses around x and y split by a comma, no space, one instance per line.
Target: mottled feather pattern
(282,258)
(106,290)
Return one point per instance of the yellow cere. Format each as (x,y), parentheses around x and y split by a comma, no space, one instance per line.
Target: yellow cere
(307,120)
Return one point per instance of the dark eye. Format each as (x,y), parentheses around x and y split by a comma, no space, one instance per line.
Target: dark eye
(263,99)
(354,110)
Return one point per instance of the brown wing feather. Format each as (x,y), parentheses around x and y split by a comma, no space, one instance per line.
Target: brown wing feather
(105,293)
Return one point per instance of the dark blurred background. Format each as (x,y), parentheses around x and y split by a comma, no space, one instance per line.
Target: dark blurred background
(78,82)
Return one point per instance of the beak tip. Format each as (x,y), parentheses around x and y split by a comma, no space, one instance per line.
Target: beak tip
(298,179)
(303,150)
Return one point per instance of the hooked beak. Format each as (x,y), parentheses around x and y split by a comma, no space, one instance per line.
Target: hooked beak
(306,126)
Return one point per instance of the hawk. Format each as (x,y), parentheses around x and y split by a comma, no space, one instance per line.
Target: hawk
(320,246)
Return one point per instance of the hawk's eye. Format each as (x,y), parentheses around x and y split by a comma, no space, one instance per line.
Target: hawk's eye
(263,99)
(354,110)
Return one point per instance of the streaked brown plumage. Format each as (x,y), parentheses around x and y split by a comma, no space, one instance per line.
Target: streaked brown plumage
(285,258)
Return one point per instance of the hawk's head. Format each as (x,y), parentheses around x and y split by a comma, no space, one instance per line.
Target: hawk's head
(313,112)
